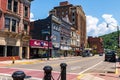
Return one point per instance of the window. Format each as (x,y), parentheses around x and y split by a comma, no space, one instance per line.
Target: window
(73,14)
(62,13)
(10,4)
(7,23)
(26,11)
(13,25)
(15,7)
(25,28)
(61,38)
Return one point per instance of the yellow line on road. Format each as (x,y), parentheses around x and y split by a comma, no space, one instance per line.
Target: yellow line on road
(116,71)
(80,76)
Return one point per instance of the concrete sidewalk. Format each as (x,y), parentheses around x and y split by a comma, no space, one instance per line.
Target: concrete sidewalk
(99,76)
(102,76)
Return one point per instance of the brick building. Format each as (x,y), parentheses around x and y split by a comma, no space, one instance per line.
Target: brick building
(14,29)
(96,43)
(76,16)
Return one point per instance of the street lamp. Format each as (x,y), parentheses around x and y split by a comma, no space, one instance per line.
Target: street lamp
(48,43)
(47,36)
(117,34)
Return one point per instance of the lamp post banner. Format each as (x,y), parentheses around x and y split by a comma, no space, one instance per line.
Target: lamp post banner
(40,43)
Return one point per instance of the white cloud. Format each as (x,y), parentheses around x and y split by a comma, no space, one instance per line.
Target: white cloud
(31,16)
(95,29)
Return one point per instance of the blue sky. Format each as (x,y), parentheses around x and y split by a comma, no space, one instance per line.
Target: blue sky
(98,13)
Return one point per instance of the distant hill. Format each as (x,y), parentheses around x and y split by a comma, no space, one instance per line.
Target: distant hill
(110,41)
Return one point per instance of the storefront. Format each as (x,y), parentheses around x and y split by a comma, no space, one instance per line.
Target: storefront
(65,49)
(9,47)
(39,48)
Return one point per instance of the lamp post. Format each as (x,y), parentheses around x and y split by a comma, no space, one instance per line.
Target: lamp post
(48,42)
(47,37)
(48,48)
(117,34)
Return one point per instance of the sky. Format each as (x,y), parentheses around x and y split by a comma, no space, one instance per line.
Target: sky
(98,13)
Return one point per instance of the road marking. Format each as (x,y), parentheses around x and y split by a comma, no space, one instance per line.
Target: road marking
(116,71)
(80,75)
(90,68)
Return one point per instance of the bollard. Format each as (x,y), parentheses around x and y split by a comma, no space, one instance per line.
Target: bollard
(18,75)
(63,71)
(47,72)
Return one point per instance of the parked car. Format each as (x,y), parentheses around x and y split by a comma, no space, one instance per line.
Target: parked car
(100,54)
(87,54)
(110,56)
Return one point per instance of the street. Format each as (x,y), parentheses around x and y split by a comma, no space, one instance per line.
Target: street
(75,65)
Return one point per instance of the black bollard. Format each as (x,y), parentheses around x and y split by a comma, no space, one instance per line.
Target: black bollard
(63,71)
(18,75)
(47,72)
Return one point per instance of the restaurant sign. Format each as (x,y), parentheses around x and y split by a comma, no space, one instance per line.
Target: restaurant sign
(40,43)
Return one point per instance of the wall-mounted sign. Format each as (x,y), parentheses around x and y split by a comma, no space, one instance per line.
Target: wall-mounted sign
(40,43)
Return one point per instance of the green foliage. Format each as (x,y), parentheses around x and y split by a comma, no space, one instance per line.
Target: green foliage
(110,41)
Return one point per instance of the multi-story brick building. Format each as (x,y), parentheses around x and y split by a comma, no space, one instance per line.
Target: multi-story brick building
(96,43)
(14,29)
(76,16)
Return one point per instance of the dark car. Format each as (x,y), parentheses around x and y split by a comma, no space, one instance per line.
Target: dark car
(87,54)
(110,56)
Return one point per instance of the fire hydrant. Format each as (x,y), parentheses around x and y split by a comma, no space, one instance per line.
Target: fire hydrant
(13,60)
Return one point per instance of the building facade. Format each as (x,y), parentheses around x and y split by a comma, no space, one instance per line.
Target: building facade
(96,44)
(76,16)
(14,29)
(55,31)
(65,34)
(47,29)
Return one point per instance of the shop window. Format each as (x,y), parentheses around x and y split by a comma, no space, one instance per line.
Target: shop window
(26,11)
(10,4)
(15,7)
(1,51)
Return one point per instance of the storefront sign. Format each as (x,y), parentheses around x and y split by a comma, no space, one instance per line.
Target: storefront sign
(65,48)
(40,43)
(56,45)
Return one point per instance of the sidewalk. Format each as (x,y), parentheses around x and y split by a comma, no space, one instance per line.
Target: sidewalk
(102,76)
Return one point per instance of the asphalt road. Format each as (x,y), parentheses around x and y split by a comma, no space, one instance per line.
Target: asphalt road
(75,65)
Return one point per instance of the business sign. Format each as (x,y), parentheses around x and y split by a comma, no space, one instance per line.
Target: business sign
(40,43)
